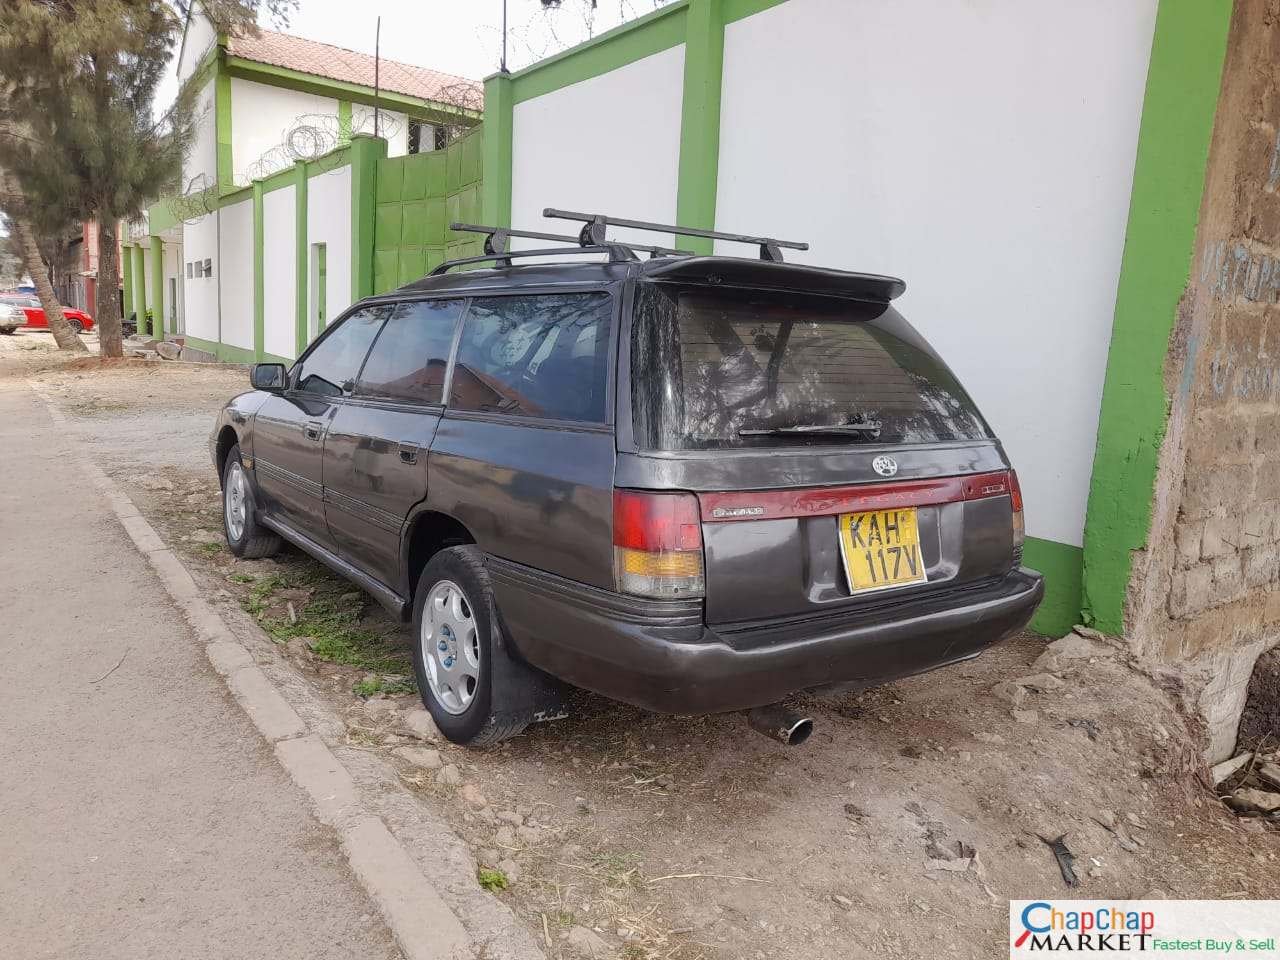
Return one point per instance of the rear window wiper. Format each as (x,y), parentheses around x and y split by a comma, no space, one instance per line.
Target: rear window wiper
(870,428)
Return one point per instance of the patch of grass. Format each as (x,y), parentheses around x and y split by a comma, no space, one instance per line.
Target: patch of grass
(241,578)
(618,869)
(492,880)
(372,686)
(330,618)
(209,549)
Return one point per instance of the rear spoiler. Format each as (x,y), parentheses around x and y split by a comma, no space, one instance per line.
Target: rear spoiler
(763,274)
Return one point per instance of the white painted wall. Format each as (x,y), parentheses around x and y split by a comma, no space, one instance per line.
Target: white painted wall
(236,262)
(279,272)
(199,37)
(200,166)
(392,126)
(172,270)
(574,148)
(262,118)
(983,152)
(329,222)
(200,295)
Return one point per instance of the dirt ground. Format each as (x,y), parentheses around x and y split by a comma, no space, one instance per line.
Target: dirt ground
(900,829)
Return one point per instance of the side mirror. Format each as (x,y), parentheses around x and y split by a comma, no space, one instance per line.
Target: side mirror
(268,376)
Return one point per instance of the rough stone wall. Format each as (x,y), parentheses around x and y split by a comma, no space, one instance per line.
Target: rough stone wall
(1206,592)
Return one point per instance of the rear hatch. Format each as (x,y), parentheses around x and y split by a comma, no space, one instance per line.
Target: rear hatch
(838,463)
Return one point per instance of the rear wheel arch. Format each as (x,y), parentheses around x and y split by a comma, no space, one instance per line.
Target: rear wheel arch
(226,440)
(428,533)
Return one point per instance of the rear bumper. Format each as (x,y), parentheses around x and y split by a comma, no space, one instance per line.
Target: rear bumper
(661,656)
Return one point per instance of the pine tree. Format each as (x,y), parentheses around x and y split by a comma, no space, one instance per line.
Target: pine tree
(81,77)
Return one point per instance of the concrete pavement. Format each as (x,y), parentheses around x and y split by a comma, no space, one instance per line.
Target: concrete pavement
(141,816)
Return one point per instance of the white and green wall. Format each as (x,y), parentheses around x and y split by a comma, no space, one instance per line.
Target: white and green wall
(1031,169)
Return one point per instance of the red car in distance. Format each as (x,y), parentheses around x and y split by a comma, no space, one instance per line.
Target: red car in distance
(79,320)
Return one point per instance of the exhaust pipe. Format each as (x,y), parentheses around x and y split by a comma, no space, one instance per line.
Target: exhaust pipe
(778,723)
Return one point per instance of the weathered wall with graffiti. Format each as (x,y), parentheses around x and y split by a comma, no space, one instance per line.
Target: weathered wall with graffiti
(1206,594)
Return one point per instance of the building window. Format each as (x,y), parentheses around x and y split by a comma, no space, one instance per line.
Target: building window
(208,267)
(442,137)
(423,137)
(189,270)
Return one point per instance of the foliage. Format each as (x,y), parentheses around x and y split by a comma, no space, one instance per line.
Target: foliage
(492,880)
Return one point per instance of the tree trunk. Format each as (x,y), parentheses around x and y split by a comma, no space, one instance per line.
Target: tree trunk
(107,294)
(63,335)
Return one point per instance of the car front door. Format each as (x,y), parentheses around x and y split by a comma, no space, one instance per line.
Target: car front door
(289,429)
(375,455)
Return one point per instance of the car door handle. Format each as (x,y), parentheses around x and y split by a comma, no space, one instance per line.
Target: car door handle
(312,430)
(408,453)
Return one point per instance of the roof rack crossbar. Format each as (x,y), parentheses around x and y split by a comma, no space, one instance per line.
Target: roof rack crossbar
(496,240)
(594,225)
(618,253)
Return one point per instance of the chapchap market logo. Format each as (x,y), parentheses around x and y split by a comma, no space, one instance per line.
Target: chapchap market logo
(1099,928)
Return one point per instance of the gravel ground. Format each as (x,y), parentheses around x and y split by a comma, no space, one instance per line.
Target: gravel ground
(900,829)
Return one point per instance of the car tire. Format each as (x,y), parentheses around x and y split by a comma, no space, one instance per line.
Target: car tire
(486,695)
(246,538)
(8,331)
(76,326)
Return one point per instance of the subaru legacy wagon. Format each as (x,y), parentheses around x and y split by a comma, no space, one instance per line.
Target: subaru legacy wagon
(690,483)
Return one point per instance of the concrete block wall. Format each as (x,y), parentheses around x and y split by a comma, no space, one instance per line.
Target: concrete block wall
(1206,594)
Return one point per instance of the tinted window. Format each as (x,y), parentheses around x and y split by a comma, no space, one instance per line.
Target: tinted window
(740,369)
(542,356)
(409,359)
(337,358)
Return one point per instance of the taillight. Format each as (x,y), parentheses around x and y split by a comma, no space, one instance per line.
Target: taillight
(657,544)
(1019,529)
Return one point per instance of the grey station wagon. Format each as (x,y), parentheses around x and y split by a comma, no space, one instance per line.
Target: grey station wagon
(691,483)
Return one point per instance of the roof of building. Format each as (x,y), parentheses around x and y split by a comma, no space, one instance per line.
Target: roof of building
(348,66)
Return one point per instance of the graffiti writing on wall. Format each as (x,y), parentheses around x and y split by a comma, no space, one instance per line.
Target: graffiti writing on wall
(1234,271)
(1244,374)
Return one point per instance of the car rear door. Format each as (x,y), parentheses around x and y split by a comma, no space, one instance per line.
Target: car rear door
(375,454)
(837,461)
(524,453)
(289,429)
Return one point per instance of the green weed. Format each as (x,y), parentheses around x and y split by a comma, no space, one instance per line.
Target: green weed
(492,880)
(374,685)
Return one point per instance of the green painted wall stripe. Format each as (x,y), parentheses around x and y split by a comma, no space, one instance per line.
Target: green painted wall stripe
(495,192)
(157,288)
(640,38)
(229,354)
(126,278)
(344,121)
(140,290)
(300,239)
(1061,565)
(341,90)
(700,121)
(259,277)
(222,121)
(365,154)
(1183,80)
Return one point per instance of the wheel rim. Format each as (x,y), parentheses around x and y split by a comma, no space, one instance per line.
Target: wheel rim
(450,647)
(234,500)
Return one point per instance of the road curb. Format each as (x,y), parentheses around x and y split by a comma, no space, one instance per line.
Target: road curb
(424,926)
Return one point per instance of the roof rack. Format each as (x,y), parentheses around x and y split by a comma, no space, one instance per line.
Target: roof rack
(595,224)
(618,253)
(496,238)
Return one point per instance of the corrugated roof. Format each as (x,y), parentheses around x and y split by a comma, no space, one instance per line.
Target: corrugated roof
(348,66)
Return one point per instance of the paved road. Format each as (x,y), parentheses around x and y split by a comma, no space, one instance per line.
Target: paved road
(140,816)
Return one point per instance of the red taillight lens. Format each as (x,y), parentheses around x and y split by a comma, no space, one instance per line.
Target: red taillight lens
(1019,524)
(657,544)
(1015,491)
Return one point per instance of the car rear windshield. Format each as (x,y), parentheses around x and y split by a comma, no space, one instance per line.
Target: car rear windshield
(726,368)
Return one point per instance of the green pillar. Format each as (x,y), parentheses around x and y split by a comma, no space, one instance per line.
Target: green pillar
(259,279)
(300,249)
(700,122)
(157,287)
(365,154)
(140,290)
(495,188)
(126,275)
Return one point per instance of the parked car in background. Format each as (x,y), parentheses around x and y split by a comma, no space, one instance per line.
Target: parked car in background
(691,483)
(11,318)
(34,312)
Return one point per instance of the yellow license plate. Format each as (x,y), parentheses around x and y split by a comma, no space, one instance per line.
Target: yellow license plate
(881,548)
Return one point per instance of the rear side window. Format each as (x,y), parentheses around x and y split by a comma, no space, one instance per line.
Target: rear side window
(535,356)
(741,369)
(336,360)
(409,358)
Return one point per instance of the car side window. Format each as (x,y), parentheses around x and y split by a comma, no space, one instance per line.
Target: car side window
(535,356)
(410,356)
(336,360)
